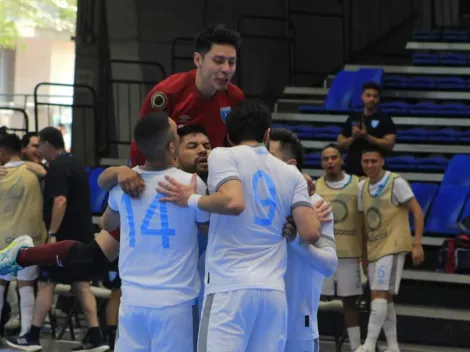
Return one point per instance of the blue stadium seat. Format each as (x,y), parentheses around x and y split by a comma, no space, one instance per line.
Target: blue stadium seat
(453,35)
(466,210)
(426,35)
(457,59)
(458,109)
(425,59)
(313,160)
(363,76)
(392,81)
(404,162)
(455,83)
(339,95)
(98,197)
(412,135)
(420,82)
(423,109)
(458,171)
(444,135)
(302,131)
(446,209)
(395,107)
(424,194)
(468,83)
(433,163)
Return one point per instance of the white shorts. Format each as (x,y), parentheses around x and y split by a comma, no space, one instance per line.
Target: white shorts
(155,330)
(250,320)
(303,345)
(385,273)
(347,278)
(29,273)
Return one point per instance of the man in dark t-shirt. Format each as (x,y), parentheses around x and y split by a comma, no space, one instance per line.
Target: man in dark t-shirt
(366,128)
(67,216)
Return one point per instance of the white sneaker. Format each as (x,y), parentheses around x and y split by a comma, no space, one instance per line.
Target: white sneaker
(9,254)
(363,349)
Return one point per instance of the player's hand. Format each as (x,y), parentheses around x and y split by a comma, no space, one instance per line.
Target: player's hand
(130,182)
(417,254)
(364,133)
(323,210)
(310,184)
(38,169)
(356,131)
(289,231)
(177,192)
(3,171)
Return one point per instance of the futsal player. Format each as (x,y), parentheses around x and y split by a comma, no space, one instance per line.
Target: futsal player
(386,199)
(20,213)
(251,194)
(340,189)
(307,265)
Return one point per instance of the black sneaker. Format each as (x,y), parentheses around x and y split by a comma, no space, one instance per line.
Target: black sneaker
(91,347)
(24,343)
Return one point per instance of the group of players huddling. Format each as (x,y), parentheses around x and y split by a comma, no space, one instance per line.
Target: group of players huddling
(271,240)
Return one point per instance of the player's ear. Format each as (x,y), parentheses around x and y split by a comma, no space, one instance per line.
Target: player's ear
(292,162)
(197,59)
(266,136)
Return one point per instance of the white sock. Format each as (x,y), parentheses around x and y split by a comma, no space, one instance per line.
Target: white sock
(378,312)
(26,308)
(12,298)
(390,328)
(354,334)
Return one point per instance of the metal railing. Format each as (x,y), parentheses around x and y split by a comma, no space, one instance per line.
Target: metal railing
(9,118)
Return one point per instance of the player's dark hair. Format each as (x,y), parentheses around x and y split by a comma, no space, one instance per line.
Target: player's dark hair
(374,148)
(216,34)
(191,129)
(332,146)
(27,138)
(11,142)
(248,121)
(153,134)
(52,136)
(371,85)
(290,145)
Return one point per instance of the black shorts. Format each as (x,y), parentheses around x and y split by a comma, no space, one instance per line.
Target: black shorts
(111,279)
(63,275)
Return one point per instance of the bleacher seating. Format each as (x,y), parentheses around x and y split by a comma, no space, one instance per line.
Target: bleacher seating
(441,36)
(458,172)
(98,197)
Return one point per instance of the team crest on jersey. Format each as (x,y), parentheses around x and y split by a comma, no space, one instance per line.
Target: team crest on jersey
(374,123)
(224,113)
(159,101)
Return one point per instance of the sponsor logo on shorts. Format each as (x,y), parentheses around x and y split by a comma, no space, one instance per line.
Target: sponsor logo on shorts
(159,101)
(224,113)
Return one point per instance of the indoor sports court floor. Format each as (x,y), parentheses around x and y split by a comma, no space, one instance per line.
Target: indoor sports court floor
(326,346)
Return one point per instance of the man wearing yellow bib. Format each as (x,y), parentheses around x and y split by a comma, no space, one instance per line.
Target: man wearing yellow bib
(385,200)
(340,189)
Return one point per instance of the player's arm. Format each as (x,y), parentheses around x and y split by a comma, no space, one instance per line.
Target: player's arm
(58,183)
(110,219)
(403,193)
(308,226)
(345,138)
(129,180)
(322,255)
(225,181)
(202,217)
(362,226)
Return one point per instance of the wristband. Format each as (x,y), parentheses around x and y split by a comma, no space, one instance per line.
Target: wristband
(193,201)
(50,234)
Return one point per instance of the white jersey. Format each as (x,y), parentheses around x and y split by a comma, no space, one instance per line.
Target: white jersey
(249,251)
(158,246)
(303,288)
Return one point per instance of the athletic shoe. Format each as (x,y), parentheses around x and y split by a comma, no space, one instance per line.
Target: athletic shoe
(9,254)
(91,347)
(24,343)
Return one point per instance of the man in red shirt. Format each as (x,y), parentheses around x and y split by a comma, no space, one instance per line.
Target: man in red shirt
(203,96)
